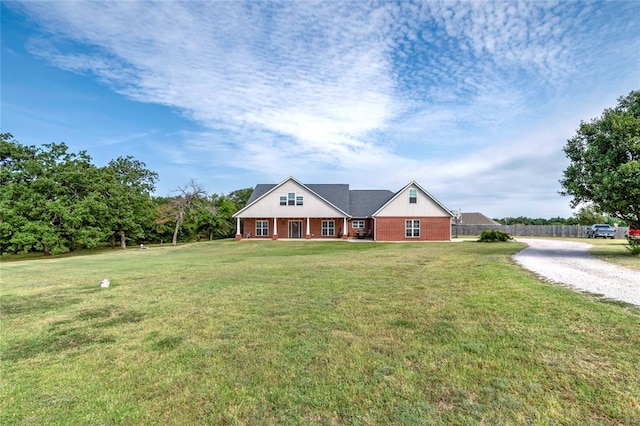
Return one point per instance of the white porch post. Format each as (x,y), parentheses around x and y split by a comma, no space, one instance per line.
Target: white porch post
(308,234)
(238,235)
(345,231)
(275,229)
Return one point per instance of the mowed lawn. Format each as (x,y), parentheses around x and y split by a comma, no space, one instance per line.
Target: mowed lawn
(336,333)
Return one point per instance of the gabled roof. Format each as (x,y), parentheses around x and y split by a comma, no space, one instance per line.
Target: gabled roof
(336,195)
(413,183)
(476,219)
(353,203)
(260,190)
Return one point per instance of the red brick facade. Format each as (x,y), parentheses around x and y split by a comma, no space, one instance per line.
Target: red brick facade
(315,227)
(431,229)
(382,229)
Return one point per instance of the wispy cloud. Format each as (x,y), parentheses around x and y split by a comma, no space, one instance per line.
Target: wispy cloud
(338,85)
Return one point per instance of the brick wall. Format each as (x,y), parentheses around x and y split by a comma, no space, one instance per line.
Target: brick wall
(431,229)
(315,227)
(368,226)
(386,228)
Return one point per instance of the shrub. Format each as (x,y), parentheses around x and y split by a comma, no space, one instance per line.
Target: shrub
(493,236)
(634,245)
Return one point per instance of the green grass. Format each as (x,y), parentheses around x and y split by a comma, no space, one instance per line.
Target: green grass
(262,333)
(614,251)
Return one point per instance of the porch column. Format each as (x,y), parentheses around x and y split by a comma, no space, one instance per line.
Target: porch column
(238,234)
(308,234)
(275,229)
(345,231)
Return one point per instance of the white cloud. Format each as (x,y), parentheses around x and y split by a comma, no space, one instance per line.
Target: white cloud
(289,87)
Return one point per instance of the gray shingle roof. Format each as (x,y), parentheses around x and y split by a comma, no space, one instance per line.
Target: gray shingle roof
(477,219)
(259,191)
(336,194)
(357,203)
(365,202)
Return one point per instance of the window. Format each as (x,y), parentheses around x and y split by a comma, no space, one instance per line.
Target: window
(262,228)
(328,228)
(412,228)
(413,196)
(291,199)
(357,224)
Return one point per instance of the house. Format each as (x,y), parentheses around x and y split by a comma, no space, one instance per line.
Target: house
(291,209)
(476,219)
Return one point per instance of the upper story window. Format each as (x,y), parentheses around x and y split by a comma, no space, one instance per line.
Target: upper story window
(413,196)
(291,199)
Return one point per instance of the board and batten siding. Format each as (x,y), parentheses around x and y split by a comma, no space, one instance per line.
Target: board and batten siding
(269,205)
(424,207)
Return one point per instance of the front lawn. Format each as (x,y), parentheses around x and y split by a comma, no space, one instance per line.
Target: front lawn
(614,251)
(335,333)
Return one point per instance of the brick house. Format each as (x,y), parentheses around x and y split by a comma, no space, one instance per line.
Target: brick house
(291,209)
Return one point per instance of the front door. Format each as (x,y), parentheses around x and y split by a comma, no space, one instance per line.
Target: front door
(295,229)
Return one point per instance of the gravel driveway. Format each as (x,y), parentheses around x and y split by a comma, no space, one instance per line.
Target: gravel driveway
(571,264)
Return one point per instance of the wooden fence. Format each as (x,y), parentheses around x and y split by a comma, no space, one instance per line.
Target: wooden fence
(570,231)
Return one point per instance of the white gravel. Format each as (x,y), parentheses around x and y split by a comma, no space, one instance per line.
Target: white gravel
(571,264)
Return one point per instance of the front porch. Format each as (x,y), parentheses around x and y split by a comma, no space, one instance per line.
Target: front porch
(293,228)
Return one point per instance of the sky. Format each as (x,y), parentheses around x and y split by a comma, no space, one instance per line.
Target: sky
(473,100)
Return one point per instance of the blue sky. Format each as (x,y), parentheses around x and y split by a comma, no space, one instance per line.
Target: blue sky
(473,100)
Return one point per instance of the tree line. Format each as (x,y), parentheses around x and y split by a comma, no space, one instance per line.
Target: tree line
(55,201)
(587,215)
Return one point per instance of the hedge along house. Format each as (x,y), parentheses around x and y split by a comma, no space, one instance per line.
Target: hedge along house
(294,210)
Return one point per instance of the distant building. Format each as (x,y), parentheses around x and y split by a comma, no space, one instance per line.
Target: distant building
(476,219)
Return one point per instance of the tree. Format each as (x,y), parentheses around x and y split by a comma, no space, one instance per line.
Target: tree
(48,200)
(190,195)
(605,162)
(128,185)
(215,217)
(588,215)
(240,197)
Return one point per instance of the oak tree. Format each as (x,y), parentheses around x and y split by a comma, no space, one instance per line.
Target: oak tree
(605,162)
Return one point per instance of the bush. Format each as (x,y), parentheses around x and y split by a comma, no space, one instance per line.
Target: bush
(634,245)
(493,236)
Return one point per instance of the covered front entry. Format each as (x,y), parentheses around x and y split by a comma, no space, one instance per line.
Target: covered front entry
(295,229)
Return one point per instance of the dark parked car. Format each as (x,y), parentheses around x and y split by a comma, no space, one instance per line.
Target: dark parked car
(601,231)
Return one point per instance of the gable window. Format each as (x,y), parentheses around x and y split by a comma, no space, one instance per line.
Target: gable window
(328,228)
(291,199)
(357,224)
(413,196)
(412,228)
(262,228)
